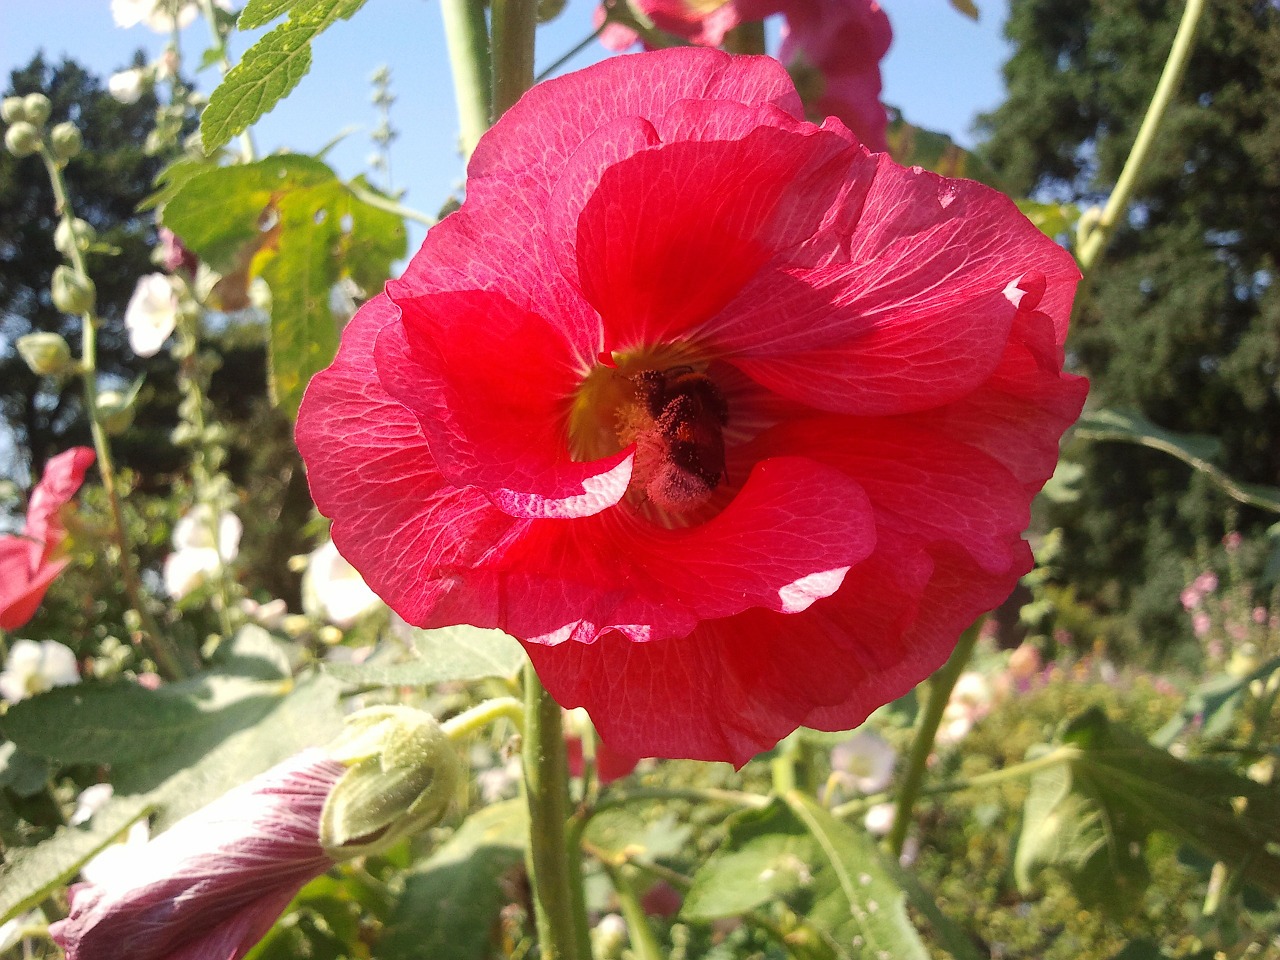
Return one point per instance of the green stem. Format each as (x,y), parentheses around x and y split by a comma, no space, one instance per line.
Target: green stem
(1095,239)
(783,764)
(483,714)
(158,645)
(467,38)
(621,798)
(746,38)
(1016,772)
(940,686)
(644,943)
(391,206)
(514,22)
(555,870)
(577,49)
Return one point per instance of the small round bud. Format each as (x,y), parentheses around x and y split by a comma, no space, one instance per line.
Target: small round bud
(37,108)
(72,234)
(549,9)
(11,110)
(71,292)
(66,140)
(115,411)
(46,354)
(22,139)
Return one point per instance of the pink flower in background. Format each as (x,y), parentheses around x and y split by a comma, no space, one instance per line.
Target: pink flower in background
(212,885)
(734,425)
(32,561)
(832,47)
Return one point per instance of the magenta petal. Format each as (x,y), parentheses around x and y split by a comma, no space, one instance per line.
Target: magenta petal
(491,385)
(395,518)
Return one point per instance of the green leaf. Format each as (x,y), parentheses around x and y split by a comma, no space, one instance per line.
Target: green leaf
(1086,815)
(1051,219)
(826,870)
(439,656)
(651,832)
(271,67)
(910,146)
(289,220)
(30,874)
(22,772)
(1196,450)
(967,7)
(451,901)
(258,13)
(1213,703)
(227,730)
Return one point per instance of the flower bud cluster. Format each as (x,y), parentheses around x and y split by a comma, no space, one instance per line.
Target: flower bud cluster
(26,117)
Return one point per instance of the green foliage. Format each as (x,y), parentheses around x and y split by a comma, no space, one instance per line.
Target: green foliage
(450,905)
(446,655)
(1180,322)
(271,67)
(289,220)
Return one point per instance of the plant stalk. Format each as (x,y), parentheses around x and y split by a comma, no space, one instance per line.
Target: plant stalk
(940,686)
(467,38)
(514,22)
(1094,240)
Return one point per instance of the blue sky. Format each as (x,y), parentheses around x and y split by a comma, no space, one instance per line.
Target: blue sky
(942,70)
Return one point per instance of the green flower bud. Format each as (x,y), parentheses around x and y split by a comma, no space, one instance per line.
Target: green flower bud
(550,9)
(71,292)
(115,411)
(37,108)
(66,140)
(22,139)
(11,110)
(46,354)
(72,234)
(402,774)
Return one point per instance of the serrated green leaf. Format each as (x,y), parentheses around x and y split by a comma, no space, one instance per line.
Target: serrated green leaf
(172,178)
(451,902)
(289,220)
(1085,815)
(270,68)
(1196,450)
(652,833)
(28,875)
(765,856)
(258,13)
(439,656)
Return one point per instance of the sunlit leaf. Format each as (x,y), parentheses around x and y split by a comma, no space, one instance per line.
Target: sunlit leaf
(271,67)
(448,654)
(914,146)
(1051,219)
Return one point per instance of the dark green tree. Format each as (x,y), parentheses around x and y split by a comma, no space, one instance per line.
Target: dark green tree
(1181,320)
(107,181)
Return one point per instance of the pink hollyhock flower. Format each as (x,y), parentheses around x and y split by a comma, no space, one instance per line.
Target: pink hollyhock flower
(733,424)
(213,884)
(834,47)
(31,561)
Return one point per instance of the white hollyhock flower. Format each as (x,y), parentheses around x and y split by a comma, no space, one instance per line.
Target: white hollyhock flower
(151,314)
(333,590)
(157,15)
(91,800)
(33,668)
(196,553)
(969,702)
(879,819)
(864,762)
(126,86)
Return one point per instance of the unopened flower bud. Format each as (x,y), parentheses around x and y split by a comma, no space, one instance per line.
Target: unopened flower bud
(72,293)
(70,235)
(37,108)
(402,773)
(11,110)
(115,411)
(549,9)
(46,354)
(22,139)
(66,140)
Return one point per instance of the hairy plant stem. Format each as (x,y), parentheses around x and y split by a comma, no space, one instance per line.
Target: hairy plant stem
(483,714)
(1093,238)
(158,646)
(940,685)
(514,22)
(467,38)
(644,943)
(555,870)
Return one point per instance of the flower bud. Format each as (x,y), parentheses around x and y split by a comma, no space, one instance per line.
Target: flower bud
(11,110)
(71,235)
(22,139)
(72,293)
(37,108)
(66,140)
(402,771)
(46,354)
(115,411)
